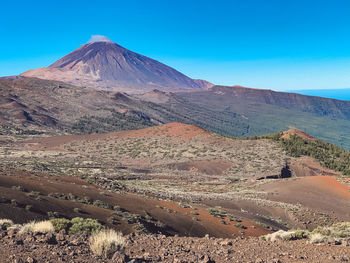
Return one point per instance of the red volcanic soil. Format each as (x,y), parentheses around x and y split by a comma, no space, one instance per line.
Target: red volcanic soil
(13,104)
(179,130)
(303,135)
(330,184)
(308,166)
(321,193)
(175,129)
(177,220)
(210,167)
(215,224)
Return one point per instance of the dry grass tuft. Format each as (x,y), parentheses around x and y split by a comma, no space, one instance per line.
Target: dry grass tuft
(106,242)
(5,223)
(37,227)
(287,235)
(338,230)
(317,238)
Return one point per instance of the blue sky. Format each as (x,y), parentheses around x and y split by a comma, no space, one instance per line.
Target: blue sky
(273,44)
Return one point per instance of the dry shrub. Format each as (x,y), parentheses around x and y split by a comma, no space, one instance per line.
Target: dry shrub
(5,223)
(37,227)
(106,242)
(317,238)
(337,230)
(287,235)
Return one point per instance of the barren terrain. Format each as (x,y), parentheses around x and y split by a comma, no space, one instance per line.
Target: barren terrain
(167,185)
(183,171)
(159,248)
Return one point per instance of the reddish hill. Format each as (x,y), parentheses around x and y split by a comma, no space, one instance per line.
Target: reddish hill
(303,135)
(174,129)
(179,130)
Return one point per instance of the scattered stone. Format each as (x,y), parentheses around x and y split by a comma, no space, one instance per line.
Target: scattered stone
(119,257)
(50,239)
(226,243)
(30,260)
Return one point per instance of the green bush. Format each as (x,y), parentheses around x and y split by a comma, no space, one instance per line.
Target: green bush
(18,188)
(87,226)
(301,234)
(51,214)
(28,207)
(61,223)
(77,210)
(239,225)
(217,212)
(102,204)
(34,194)
(116,208)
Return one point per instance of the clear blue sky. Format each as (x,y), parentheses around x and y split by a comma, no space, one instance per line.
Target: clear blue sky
(276,44)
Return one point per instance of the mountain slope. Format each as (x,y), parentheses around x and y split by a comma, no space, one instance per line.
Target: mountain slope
(107,65)
(257,112)
(320,106)
(29,105)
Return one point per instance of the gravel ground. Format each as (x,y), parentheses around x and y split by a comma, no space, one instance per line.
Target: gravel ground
(159,248)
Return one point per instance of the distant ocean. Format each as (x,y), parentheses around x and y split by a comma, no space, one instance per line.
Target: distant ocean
(340,94)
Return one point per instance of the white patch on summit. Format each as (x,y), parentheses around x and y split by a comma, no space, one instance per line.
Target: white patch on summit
(99,38)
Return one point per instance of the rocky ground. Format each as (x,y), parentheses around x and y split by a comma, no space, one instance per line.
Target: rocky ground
(59,247)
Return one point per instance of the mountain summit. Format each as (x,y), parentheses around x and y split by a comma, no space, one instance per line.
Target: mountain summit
(104,64)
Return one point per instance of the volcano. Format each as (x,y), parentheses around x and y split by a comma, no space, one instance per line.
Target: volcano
(104,64)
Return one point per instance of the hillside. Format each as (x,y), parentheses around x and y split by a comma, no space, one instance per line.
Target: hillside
(239,111)
(107,65)
(35,106)
(317,105)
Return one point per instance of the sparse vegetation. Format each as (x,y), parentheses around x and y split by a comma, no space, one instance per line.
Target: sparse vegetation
(338,230)
(5,223)
(34,194)
(61,223)
(287,235)
(77,210)
(51,214)
(329,155)
(239,225)
(116,122)
(87,226)
(105,242)
(37,227)
(317,238)
(217,212)
(318,235)
(18,188)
